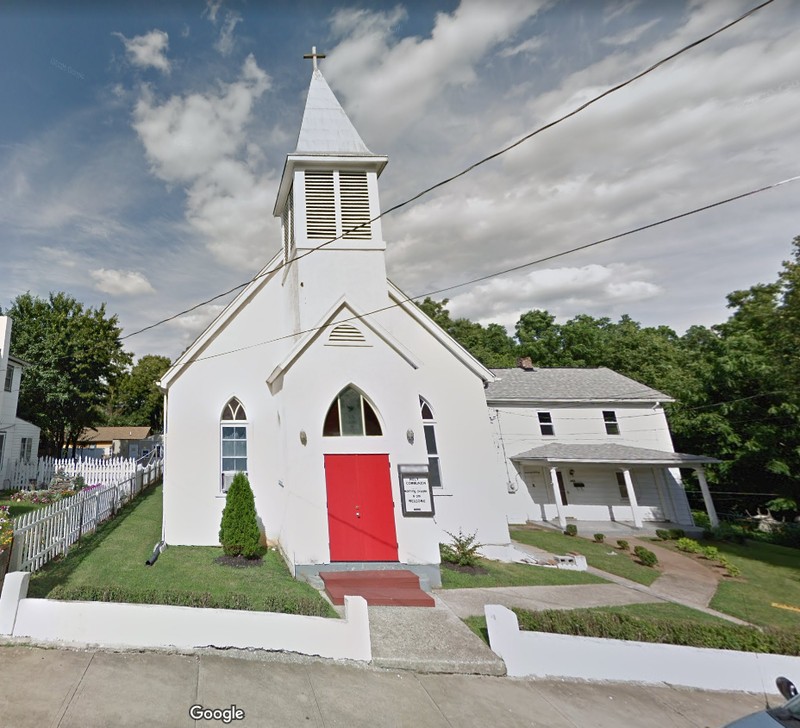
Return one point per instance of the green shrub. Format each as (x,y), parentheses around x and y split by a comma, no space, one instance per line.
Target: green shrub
(730,532)
(622,544)
(238,532)
(646,556)
(463,550)
(571,530)
(709,552)
(663,534)
(676,533)
(730,568)
(284,603)
(689,545)
(627,627)
(701,519)
(599,537)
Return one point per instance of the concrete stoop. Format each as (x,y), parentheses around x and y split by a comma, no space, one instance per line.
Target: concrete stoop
(429,641)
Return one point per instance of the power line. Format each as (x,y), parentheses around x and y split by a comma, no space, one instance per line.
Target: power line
(467,170)
(528,264)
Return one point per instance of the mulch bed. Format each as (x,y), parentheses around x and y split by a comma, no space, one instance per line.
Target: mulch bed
(465,569)
(238,562)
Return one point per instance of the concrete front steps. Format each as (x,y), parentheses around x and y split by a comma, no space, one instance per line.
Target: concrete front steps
(387,588)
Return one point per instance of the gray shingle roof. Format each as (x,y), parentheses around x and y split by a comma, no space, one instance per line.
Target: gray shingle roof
(568,384)
(609,453)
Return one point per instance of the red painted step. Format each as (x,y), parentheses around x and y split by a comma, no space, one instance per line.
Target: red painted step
(392,588)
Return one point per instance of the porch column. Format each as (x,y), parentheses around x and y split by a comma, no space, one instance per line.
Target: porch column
(712,512)
(562,521)
(637,521)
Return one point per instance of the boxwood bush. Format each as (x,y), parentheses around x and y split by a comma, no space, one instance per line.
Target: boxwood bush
(613,625)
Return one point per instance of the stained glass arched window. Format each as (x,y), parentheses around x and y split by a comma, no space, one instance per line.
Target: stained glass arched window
(351,414)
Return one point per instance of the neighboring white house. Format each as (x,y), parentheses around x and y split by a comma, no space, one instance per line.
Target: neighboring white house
(19,439)
(588,444)
(361,424)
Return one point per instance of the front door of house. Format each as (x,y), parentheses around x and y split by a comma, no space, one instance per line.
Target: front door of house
(360,508)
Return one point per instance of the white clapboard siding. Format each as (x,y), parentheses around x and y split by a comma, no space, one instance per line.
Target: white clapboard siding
(42,535)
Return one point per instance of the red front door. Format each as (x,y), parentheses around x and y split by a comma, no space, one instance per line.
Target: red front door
(360,508)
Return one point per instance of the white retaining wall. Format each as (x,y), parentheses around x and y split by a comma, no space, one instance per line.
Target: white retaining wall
(539,654)
(151,625)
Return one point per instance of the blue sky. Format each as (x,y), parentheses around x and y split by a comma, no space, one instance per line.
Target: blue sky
(141,145)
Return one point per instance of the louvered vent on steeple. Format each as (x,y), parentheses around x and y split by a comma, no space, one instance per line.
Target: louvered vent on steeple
(346,335)
(354,196)
(288,226)
(320,205)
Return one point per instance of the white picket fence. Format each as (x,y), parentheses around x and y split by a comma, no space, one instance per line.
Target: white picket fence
(38,473)
(42,535)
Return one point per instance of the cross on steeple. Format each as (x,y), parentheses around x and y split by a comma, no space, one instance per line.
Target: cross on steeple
(314,55)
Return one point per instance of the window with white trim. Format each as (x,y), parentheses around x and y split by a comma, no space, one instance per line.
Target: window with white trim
(350,414)
(9,378)
(610,420)
(233,442)
(429,428)
(25,447)
(546,423)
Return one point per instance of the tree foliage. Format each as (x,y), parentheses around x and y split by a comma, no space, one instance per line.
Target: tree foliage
(135,398)
(736,384)
(238,532)
(74,356)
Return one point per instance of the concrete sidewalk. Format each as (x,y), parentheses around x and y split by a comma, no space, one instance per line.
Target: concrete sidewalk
(96,689)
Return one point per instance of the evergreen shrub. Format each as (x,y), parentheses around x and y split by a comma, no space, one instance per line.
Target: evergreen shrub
(571,530)
(622,544)
(646,556)
(238,532)
(662,534)
(599,537)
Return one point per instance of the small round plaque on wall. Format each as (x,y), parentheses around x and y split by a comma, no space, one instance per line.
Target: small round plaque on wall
(303,438)
(410,436)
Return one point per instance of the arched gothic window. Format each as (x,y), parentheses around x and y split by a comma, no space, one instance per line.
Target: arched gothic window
(233,437)
(429,427)
(351,414)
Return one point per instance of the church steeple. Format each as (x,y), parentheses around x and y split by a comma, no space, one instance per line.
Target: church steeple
(329,185)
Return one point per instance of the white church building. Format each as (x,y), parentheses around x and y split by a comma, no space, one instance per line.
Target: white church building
(363,427)
(361,424)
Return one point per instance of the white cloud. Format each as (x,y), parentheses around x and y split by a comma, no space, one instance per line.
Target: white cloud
(631,35)
(201,140)
(565,292)
(148,50)
(225,43)
(120,282)
(388,83)
(212,8)
(527,47)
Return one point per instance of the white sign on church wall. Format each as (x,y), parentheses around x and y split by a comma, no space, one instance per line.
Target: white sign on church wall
(415,491)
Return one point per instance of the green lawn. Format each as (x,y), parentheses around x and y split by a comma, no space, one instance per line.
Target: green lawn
(115,558)
(599,555)
(504,574)
(17,509)
(769,574)
(657,610)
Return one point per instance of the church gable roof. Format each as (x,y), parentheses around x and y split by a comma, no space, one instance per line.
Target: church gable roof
(326,128)
(342,315)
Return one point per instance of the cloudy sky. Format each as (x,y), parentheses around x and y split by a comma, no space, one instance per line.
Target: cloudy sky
(140,149)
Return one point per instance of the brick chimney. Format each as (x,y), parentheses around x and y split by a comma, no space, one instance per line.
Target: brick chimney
(524,362)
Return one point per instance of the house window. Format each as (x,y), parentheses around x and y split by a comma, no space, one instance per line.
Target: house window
(233,438)
(546,423)
(351,414)
(623,488)
(429,428)
(610,419)
(2,446)
(26,445)
(9,378)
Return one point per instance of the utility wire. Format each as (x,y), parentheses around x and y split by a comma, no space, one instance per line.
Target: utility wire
(465,171)
(528,264)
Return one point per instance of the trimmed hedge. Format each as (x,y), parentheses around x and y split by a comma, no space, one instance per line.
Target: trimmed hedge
(282,603)
(617,626)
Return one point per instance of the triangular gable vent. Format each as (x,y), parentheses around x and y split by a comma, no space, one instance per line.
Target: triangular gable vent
(346,335)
